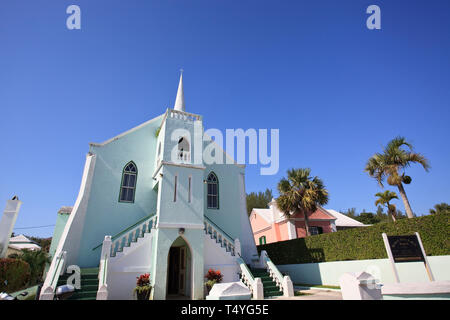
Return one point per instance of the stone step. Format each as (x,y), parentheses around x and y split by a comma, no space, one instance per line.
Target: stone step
(84,295)
(272,294)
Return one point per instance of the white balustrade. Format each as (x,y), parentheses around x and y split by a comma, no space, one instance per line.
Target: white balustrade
(132,234)
(175,114)
(254,284)
(283,282)
(220,237)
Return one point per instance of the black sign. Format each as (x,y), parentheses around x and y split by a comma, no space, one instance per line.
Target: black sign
(405,248)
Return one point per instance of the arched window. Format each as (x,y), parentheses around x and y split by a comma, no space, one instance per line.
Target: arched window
(213,191)
(128,186)
(184,153)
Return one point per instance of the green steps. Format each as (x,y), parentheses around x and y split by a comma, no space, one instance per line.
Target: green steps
(270,287)
(89,284)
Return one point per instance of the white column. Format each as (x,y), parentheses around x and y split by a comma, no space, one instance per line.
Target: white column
(258,289)
(7,224)
(288,287)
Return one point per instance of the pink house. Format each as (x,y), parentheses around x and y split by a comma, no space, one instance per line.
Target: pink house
(270,225)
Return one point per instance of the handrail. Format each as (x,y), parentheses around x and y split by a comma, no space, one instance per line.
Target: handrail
(220,236)
(102,292)
(103,270)
(55,270)
(58,269)
(117,235)
(283,282)
(219,229)
(245,269)
(254,284)
(274,272)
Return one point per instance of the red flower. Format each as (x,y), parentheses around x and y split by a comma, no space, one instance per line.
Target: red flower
(214,275)
(143,280)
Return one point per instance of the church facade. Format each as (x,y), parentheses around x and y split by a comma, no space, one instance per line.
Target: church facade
(147,204)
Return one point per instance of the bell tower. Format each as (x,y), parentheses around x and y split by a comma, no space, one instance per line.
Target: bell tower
(178,178)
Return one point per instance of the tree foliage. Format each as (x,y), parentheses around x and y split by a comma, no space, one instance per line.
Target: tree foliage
(390,165)
(440,208)
(258,200)
(300,192)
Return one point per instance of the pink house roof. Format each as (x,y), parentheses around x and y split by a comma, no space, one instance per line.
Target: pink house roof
(273,214)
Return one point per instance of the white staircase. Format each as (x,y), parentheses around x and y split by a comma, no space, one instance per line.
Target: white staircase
(222,239)
(130,238)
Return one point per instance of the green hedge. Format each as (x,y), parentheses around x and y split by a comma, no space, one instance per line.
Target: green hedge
(14,274)
(362,243)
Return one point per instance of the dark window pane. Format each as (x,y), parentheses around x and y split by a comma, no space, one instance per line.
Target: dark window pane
(125,179)
(209,201)
(130,194)
(123,196)
(132,180)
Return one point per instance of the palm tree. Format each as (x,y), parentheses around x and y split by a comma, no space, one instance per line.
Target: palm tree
(384,198)
(391,164)
(301,192)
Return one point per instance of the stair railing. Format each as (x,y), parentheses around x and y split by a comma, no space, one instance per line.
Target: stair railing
(102,293)
(283,282)
(220,237)
(56,269)
(254,284)
(131,234)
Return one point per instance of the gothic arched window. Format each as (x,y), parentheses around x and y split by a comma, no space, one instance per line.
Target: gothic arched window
(128,185)
(213,191)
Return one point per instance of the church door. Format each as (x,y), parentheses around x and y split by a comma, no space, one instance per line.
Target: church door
(177,271)
(182,274)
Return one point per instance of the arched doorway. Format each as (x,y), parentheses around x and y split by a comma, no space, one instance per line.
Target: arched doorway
(179,270)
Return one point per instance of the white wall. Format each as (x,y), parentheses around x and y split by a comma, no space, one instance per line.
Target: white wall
(217,258)
(123,269)
(328,273)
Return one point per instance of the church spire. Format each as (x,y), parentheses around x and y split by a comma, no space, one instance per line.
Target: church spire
(179,101)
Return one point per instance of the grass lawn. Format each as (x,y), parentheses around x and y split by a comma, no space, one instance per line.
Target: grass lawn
(299,293)
(316,286)
(30,296)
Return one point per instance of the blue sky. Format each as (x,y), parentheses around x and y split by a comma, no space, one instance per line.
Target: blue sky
(337,91)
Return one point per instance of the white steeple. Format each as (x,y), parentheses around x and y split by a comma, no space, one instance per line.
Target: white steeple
(179,101)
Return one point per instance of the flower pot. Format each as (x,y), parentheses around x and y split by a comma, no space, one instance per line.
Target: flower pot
(143,295)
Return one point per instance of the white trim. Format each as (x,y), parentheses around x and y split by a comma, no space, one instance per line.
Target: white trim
(169,225)
(94,144)
(71,237)
(192,166)
(262,230)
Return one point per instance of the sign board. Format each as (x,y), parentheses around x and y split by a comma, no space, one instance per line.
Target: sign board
(405,248)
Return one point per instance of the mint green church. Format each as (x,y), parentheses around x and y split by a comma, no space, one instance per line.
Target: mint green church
(148,203)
